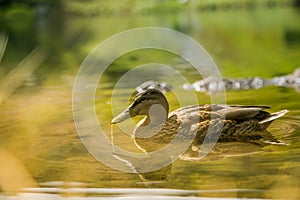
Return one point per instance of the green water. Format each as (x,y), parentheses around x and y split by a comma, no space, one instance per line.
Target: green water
(39,142)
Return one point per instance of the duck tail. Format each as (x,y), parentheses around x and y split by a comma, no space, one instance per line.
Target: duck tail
(274,116)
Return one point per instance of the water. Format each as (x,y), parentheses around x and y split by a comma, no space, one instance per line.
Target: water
(43,157)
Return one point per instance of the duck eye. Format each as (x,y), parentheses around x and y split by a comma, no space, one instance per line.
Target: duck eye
(143,99)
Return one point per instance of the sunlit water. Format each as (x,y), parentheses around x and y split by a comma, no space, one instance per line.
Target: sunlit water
(41,155)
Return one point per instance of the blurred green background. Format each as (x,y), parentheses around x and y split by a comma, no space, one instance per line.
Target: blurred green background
(43,44)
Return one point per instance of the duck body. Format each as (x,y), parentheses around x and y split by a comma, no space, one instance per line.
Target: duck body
(196,122)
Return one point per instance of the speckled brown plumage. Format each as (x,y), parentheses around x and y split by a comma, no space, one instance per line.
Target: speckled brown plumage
(228,123)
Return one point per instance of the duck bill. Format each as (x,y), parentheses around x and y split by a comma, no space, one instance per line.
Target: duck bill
(121,117)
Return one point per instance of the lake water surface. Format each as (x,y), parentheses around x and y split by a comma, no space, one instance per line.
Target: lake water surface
(43,157)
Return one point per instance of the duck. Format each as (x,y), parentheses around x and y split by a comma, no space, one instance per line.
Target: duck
(229,123)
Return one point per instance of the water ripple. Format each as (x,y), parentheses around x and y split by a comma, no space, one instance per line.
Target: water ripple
(286,127)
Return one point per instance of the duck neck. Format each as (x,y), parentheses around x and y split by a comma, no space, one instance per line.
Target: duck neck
(158,114)
(153,122)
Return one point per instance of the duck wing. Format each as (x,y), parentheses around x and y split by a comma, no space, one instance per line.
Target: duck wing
(226,112)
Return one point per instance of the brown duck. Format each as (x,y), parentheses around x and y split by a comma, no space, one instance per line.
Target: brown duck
(230,123)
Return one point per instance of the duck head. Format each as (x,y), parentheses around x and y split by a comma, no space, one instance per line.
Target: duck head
(151,103)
